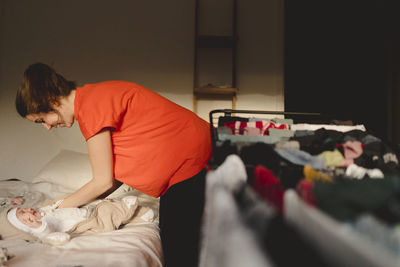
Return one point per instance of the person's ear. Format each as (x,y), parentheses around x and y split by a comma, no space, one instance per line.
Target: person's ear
(56,103)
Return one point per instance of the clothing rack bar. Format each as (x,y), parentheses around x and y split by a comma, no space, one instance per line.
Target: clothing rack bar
(228,112)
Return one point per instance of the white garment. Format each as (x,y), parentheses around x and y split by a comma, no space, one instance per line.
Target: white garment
(12,218)
(390,157)
(62,220)
(59,221)
(314,127)
(356,172)
(40,232)
(226,241)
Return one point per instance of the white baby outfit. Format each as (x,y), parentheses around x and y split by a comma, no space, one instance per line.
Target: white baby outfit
(56,222)
(62,220)
(53,220)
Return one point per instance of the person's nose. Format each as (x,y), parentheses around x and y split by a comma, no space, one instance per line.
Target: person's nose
(47,126)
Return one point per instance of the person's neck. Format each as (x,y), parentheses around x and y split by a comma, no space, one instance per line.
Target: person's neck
(69,101)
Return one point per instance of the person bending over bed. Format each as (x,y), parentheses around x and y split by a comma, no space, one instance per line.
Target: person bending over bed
(134,136)
(106,216)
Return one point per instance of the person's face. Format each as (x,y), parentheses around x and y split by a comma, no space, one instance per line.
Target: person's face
(53,119)
(29,217)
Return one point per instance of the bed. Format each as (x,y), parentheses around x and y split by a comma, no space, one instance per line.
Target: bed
(131,245)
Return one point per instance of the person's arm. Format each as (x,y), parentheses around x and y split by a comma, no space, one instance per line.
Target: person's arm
(101,160)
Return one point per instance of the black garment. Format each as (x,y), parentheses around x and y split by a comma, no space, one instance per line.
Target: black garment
(228,119)
(373,157)
(290,175)
(264,154)
(354,135)
(322,140)
(181,210)
(223,149)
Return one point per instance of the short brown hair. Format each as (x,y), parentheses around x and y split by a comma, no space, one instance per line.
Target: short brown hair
(41,88)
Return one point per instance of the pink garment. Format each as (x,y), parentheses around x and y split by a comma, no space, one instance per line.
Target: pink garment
(252,131)
(352,149)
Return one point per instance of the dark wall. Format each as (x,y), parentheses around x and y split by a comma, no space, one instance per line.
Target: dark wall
(336,59)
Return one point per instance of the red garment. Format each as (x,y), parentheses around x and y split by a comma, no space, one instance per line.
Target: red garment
(268,186)
(304,189)
(156,143)
(265,125)
(239,127)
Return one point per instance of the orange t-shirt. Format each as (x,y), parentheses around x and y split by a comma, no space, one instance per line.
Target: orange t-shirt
(156,143)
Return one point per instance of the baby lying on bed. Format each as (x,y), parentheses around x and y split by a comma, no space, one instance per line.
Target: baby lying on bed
(55,226)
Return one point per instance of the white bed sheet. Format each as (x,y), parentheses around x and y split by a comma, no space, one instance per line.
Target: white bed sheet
(132,245)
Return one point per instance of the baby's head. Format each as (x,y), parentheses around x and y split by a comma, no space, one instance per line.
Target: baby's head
(9,222)
(24,218)
(27,224)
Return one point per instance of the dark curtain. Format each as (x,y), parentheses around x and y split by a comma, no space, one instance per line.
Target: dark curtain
(336,59)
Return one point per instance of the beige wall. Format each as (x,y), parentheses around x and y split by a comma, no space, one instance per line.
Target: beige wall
(148,42)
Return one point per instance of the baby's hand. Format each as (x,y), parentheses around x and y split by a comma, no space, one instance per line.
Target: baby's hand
(16,201)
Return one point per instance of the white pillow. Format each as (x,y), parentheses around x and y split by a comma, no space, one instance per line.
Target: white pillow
(68,168)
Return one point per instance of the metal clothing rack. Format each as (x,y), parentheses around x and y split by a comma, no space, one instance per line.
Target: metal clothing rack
(297,211)
(296,116)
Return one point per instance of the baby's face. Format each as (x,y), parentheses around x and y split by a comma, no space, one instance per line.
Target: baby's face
(29,217)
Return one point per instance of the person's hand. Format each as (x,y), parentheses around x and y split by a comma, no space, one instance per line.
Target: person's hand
(16,201)
(52,207)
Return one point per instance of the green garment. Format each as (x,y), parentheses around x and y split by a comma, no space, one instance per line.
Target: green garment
(345,199)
